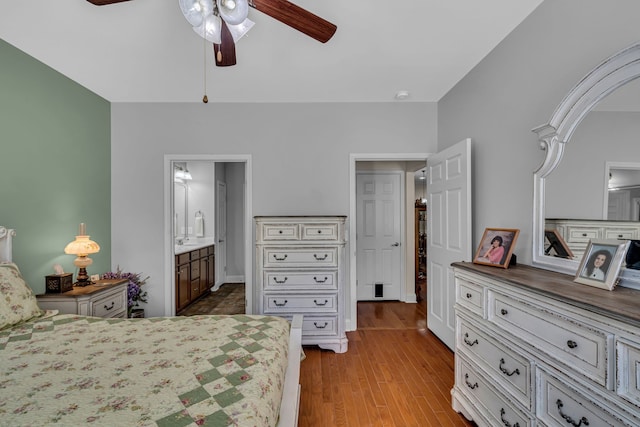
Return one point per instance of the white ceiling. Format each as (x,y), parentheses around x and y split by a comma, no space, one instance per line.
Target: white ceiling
(145,51)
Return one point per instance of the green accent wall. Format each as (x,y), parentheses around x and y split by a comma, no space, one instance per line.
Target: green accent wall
(55,166)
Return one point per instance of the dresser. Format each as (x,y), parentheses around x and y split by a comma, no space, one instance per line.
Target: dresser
(300,270)
(533,348)
(106,298)
(577,232)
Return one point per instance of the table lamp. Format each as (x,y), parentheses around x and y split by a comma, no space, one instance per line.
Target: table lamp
(81,247)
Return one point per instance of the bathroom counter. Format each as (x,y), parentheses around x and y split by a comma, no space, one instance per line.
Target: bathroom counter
(193,244)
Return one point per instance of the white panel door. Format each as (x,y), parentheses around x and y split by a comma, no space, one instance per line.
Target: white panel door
(448,233)
(379,216)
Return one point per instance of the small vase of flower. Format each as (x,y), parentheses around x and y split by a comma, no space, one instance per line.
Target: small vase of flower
(135,293)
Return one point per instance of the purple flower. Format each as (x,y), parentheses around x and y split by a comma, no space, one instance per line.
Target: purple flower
(135,292)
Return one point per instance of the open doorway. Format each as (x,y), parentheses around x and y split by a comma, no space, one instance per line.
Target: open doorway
(371,167)
(206,246)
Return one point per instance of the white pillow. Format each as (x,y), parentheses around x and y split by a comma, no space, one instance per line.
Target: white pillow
(17,301)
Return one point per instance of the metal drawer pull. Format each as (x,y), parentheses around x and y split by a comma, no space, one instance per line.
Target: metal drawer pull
(466,380)
(319,258)
(319,304)
(319,231)
(568,419)
(275,302)
(275,279)
(572,344)
(279,259)
(469,296)
(584,234)
(321,327)
(113,304)
(321,281)
(279,231)
(505,422)
(469,343)
(504,312)
(504,371)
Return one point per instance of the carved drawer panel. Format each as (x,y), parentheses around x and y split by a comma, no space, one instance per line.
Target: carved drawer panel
(286,279)
(564,338)
(497,409)
(319,231)
(582,234)
(620,233)
(110,306)
(300,257)
(511,370)
(280,232)
(319,326)
(471,296)
(628,371)
(283,303)
(562,404)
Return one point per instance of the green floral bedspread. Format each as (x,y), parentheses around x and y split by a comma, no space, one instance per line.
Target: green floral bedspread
(182,371)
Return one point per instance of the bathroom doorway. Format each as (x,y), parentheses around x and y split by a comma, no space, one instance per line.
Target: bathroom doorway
(194,219)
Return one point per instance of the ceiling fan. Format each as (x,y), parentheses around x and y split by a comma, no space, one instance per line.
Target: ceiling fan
(224,21)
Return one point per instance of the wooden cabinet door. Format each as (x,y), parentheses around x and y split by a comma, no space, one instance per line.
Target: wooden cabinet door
(183,286)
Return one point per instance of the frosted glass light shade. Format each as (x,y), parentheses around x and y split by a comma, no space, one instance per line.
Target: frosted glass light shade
(195,11)
(210,29)
(237,31)
(82,246)
(233,12)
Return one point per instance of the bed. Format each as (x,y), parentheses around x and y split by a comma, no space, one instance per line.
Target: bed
(71,370)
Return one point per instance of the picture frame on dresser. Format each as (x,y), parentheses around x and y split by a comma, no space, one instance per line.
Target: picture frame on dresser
(601,263)
(496,247)
(557,246)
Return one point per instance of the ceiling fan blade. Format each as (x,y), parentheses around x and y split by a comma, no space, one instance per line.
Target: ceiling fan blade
(105,2)
(225,52)
(296,17)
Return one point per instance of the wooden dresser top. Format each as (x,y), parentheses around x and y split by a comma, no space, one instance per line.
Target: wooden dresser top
(623,303)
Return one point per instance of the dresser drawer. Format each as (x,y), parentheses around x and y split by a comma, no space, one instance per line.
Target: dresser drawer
(110,305)
(319,231)
(283,303)
(620,233)
(320,326)
(628,355)
(497,409)
(563,338)
(560,404)
(470,295)
(280,232)
(510,370)
(300,257)
(284,280)
(582,234)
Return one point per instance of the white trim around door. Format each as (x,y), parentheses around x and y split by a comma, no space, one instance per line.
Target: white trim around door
(169,260)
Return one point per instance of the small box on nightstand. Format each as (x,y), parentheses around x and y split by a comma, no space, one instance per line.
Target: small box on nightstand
(58,283)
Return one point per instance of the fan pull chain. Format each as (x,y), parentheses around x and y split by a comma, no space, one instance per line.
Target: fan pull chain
(205,99)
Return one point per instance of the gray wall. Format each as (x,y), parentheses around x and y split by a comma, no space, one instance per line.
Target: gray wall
(516,88)
(299,154)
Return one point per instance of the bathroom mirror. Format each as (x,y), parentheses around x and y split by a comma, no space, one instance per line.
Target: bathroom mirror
(572,184)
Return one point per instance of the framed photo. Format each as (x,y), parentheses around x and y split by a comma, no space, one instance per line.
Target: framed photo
(601,263)
(496,247)
(557,246)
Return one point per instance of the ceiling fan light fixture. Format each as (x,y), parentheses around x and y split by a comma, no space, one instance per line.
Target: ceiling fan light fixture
(210,29)
(237,31)
(195,11)
(233,12)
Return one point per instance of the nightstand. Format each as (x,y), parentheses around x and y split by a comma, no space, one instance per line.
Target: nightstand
(105,298)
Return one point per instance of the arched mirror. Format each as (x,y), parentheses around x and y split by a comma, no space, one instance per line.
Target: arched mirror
(588,186)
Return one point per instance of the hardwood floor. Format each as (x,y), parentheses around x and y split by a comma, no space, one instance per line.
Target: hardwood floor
(395,373)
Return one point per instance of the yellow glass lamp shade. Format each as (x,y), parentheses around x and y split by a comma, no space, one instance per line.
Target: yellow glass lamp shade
(81,247)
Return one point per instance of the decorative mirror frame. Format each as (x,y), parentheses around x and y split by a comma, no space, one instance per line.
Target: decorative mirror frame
(608,76)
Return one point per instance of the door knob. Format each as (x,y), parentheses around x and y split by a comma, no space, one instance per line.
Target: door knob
(395,244)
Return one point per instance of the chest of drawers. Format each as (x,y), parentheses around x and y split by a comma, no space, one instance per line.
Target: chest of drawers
(300,270)
(533,348)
